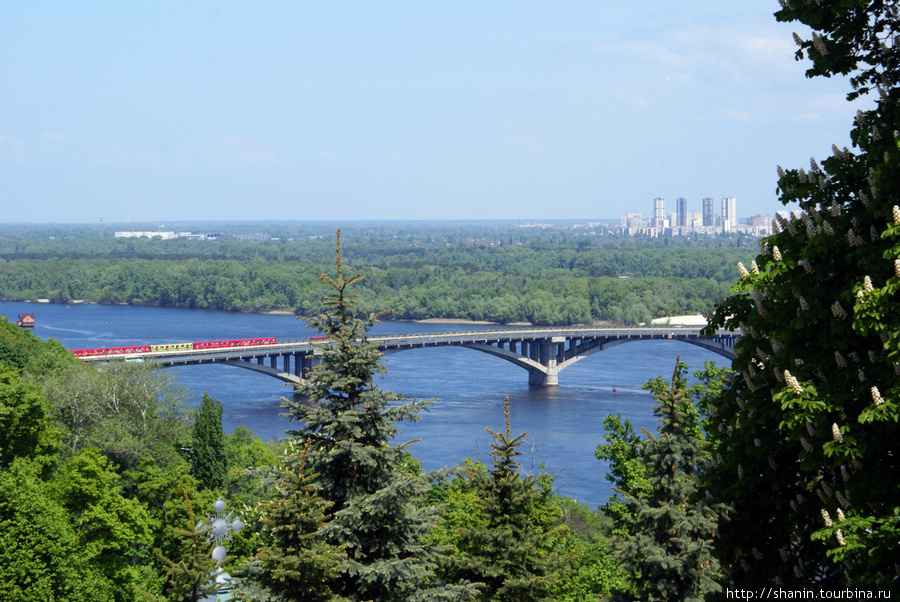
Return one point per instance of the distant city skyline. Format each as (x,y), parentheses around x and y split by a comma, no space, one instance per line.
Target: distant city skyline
(683,221)
(170,111)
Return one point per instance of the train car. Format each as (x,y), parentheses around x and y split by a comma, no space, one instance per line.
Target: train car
(234,343)
(103,351)
(172,347)
(111,351)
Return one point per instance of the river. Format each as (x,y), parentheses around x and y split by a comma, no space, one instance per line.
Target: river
(564,423)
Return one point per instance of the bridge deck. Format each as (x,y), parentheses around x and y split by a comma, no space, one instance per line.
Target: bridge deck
(542,352)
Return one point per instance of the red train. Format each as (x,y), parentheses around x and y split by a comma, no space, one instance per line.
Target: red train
(173,347)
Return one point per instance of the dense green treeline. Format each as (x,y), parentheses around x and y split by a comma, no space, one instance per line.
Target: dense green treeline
(556,277)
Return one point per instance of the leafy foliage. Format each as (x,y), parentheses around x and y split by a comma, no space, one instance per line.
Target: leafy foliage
(112,532)
(39,557)
(805,435)
(128,411)
(25,431)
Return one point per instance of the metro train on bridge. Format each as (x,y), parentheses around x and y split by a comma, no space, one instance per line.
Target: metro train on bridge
(173,347)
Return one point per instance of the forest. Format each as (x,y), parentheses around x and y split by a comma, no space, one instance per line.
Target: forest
(484,272)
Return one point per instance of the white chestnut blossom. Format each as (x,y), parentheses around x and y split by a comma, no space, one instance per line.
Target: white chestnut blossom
(876,396)
(792,382)
(841,499)
(836,433)
(742,270)
(839,359)
(826,518)
(819,44)
(807,267)
(776,254)
(837,311)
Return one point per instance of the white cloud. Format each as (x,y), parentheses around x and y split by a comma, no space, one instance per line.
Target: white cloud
(54,137)
(116,155)
(231,151)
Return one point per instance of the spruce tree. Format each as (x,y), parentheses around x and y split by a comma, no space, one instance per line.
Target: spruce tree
(806,435)
(208,445)
(506,555)
(192,576)
(350,422)
(294,563)
(670,551)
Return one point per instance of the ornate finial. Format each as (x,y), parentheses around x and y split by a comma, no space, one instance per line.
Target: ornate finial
(221,528)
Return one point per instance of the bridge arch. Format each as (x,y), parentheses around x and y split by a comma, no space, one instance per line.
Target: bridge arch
(547,374)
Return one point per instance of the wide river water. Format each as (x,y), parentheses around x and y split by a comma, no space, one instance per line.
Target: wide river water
(564,423)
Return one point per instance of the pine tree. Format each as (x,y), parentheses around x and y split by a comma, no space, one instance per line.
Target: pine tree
(191,577)
(507,554)
(294,563)
(806,435)
(350,422)
(208,445)
(670,551)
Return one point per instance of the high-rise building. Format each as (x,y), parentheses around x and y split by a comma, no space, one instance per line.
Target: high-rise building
(729,216)
(659,213)
(681,214)
(708,219)
(632,221)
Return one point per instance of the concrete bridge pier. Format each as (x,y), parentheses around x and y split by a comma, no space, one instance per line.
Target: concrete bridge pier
(306,364)
(547,354)
(539,378)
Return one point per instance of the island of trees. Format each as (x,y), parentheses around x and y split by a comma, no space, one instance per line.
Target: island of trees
(780,472)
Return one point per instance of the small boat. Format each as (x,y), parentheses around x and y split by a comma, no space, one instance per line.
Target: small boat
(26,321)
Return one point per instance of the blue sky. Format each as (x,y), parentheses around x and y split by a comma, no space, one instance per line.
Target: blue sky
(160,111)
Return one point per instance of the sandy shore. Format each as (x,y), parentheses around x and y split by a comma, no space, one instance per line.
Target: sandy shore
(451,321)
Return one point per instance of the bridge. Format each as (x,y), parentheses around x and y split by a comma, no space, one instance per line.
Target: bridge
(542,352)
